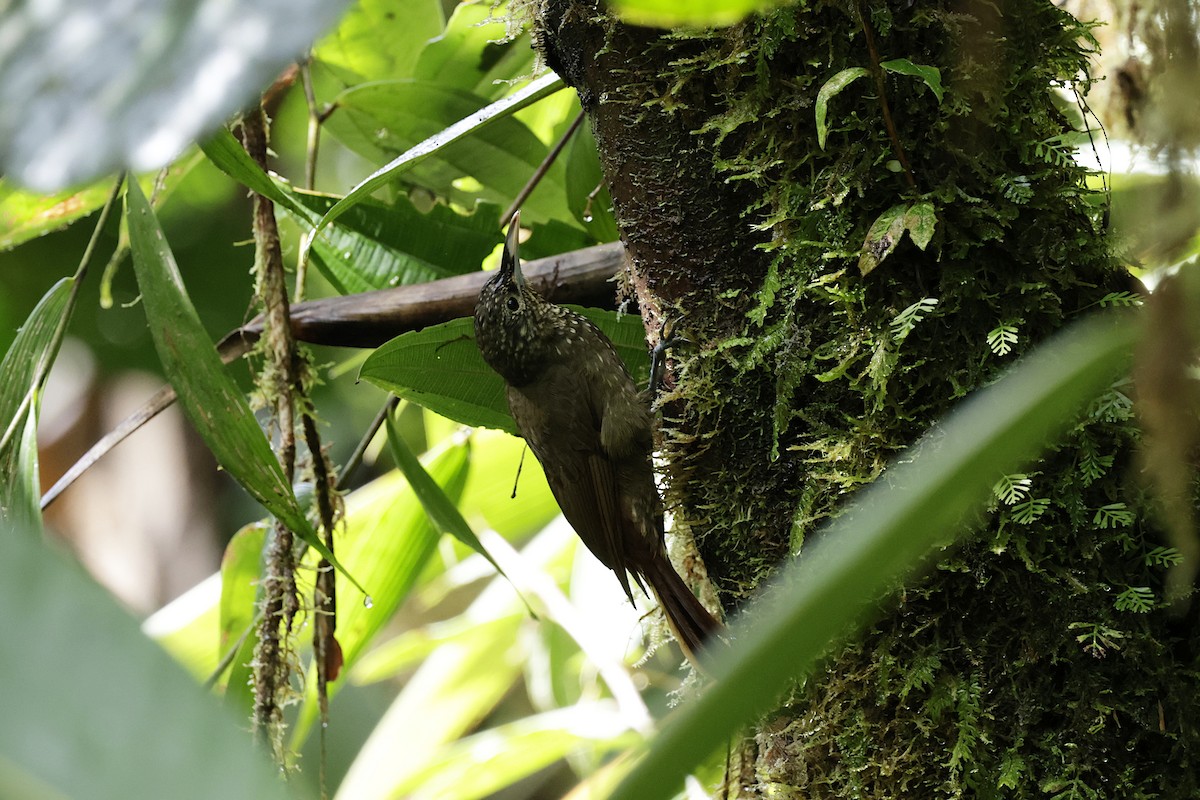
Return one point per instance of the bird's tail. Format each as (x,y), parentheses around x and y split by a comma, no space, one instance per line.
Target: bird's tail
(694,627)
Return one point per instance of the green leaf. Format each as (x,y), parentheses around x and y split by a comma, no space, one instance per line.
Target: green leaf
(440,368)
(830,90)
(206,393)
(690,13)
(932,76)
(1002,338)
(379,40)
(1012,489)
(450,693)
(919,220)
(911,317)
(106,86)
(472,124)
(388,540)
(228,155)
(918,505)
(376,246)
(484,764)
(1138,599)
(474,53)
(89,718)
(241,569)
(390,118)
(31,351)
(27,215)
(588,197)
(487,496)
(442,512)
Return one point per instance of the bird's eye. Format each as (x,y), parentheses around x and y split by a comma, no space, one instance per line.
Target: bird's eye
(513,303)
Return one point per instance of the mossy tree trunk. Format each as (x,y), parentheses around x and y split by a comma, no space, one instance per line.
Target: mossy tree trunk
(1034,660)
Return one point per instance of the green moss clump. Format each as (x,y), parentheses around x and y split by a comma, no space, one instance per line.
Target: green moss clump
(1037,660)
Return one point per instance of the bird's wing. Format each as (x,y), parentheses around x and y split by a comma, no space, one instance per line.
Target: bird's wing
(581,476)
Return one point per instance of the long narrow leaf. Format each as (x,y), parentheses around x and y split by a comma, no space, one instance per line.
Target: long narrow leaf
(918,505)
(442,512)
(18,408)
(542,87)
(382,121)
(230,157)
(209,397)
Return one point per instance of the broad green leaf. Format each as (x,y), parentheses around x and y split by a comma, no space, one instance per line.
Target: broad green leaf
(440,368)
(552,238)
(454,689)
(241,569)
(90,695)
(690,13)
(587,193)
(189,627)
(483,764)
(931,76)
(487,497)
(30,351)
(832,87)
(375,246)
(379,39)
(474,53)
(918,505)
(393,118)
(388,540)
(207,394)
(406,651)
(467,126)
(102,86)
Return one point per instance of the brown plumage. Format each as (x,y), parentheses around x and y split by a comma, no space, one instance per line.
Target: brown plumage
(578,409)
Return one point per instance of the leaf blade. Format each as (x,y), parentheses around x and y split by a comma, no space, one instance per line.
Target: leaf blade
(501,109)
(31,351)
(206,393)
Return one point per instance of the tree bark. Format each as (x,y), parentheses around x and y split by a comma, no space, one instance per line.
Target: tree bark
(1013,670)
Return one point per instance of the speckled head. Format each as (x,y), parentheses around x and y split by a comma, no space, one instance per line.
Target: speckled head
(511,319)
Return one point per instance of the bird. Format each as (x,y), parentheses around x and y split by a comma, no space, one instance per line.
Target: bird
(578,409)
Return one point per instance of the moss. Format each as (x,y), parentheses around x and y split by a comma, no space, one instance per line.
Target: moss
(1022,667)
(1036,660)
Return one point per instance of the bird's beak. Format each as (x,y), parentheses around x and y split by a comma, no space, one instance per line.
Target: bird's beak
(510,262)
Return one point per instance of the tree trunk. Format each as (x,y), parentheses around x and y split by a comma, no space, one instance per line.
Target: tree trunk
(1021,666)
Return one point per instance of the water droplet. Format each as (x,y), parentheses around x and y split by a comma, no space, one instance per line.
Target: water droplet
(346,254)
(394,280)
(587,217)
(368,602)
